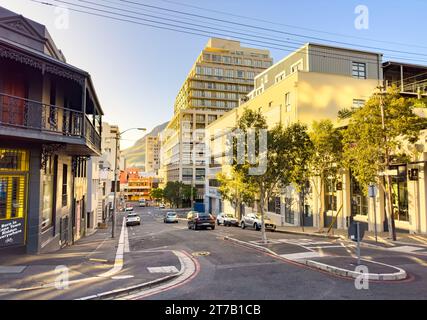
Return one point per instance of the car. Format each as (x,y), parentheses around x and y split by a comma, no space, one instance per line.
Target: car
(227,219)
(132,219)
(129,209)
(170,217)
(162,206)
(142,203)
(254,221)
(190,214)
(201,220)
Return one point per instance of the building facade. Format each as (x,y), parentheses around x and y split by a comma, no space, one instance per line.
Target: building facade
(152,154)
(136,184)
(50,124)
(222,75)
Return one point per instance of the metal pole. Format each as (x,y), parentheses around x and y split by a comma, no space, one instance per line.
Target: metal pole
(375,220)
(358,242)
(115,189)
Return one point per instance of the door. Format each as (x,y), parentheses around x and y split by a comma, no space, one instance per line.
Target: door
(13,108)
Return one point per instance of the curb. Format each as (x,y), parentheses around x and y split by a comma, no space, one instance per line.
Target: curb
(300,233)
(400,275)
(129,290)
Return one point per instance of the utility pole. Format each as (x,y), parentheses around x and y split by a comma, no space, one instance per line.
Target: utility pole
(391,223)
(115,187)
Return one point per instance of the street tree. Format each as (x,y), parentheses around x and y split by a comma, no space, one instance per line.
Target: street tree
(234,188)
(265,168)
(326,159)
(375,140)
(157,194)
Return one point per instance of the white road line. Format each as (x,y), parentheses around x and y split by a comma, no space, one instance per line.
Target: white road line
(12,269)
(406,249)
(126,249)
(301,255)
(166,269)
(118,263)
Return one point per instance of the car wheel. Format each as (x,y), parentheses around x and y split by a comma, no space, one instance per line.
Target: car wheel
(213,227)
(189,227)
(218,223)
(195,227)
(256,227)
(243,225)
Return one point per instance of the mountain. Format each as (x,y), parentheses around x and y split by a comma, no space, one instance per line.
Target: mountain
(135,155)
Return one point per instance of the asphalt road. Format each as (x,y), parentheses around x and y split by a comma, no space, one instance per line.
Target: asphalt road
(230,271)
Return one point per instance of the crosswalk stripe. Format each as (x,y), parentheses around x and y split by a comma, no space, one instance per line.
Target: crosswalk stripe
(406,249)
(301,255)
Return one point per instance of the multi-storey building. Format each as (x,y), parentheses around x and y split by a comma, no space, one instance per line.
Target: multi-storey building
(312,83)
(222,75)
(152,154)
(50,123)
(136,184)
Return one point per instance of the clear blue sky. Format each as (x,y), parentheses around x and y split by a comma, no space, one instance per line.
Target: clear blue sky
(138,70)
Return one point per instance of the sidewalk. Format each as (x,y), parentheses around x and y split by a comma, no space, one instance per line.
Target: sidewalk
(383,237)
(93,265)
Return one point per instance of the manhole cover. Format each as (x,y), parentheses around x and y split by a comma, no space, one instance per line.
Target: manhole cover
(201,254)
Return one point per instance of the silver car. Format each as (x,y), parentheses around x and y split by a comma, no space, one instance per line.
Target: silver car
(170,217)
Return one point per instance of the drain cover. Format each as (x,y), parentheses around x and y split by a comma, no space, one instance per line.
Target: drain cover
(201,254)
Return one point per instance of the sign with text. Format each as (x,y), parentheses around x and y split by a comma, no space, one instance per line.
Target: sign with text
(12,232)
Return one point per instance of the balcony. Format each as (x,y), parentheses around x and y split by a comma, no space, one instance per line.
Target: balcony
(33,120)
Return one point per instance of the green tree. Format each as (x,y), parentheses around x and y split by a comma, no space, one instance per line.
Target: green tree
(234,189)
(326,159)
(272,160)
(157,194)
(375,138)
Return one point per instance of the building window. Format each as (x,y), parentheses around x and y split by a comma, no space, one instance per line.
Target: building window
(297,66)
(64,185)
(359,70)
(400,195)
(330,195)
(47,202)
(240,74)
(358,103)
(359,201)
(288,102)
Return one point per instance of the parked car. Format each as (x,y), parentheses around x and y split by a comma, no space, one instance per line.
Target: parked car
(129,209)
(170,217)
(132,219)
(201,220)
(190,214)
(254,221)
(227,219)
(162,206)
(142,203)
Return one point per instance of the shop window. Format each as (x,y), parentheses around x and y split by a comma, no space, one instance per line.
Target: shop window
(359,201)
(400,195)
(47,189)
(330,195)
(64,185)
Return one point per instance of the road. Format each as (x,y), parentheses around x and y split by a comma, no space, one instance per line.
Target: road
(230,271)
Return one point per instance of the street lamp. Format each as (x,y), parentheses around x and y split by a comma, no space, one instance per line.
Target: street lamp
(118,137)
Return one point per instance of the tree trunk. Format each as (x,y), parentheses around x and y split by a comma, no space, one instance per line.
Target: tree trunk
(263,233)
(322,201)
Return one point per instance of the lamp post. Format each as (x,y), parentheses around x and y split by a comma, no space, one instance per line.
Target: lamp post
(117,138)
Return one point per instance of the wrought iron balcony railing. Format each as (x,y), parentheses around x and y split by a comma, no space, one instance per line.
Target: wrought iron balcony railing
(29,114)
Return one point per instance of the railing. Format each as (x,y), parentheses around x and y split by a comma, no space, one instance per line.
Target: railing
(29,114)
(417,87)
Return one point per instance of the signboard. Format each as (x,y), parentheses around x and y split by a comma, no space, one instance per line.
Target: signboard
(354,234)
(372,191)
(12,232)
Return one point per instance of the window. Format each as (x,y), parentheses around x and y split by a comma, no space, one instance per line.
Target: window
(358,103)
(48,194)
(330,195)
(400,195)
(359,70)
(288,102)
(64,185)
(297,66)
(229,73)
(240,74)
(359,201)
(250,75)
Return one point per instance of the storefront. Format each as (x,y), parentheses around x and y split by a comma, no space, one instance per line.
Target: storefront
(14,170)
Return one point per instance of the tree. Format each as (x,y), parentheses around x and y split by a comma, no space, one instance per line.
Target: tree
(156,194)
(326,158)
(175,192)
(271,169)
(234,189)
(375,138)
(187,193)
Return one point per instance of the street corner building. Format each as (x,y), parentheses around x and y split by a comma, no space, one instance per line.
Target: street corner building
(313,83)
(50,126)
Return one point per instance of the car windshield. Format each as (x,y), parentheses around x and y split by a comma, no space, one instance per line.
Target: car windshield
(132,215)
(171,214)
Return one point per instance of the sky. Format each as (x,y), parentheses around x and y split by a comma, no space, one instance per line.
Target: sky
(138,70)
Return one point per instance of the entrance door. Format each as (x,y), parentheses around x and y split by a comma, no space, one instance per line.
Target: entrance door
(13,108)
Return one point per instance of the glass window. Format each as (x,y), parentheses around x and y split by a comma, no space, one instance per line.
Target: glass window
(64,185)
(359,70)
(400,195)
(288,102)
(359,201)
(330,195)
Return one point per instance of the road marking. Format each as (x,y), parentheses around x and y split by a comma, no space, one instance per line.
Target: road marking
(98,260)
(419,261)
(382,240)
(126,248)
(325,247)
(166,269)
(301,255)
(12,269)
(124,277)
(406,249)
(118,263)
